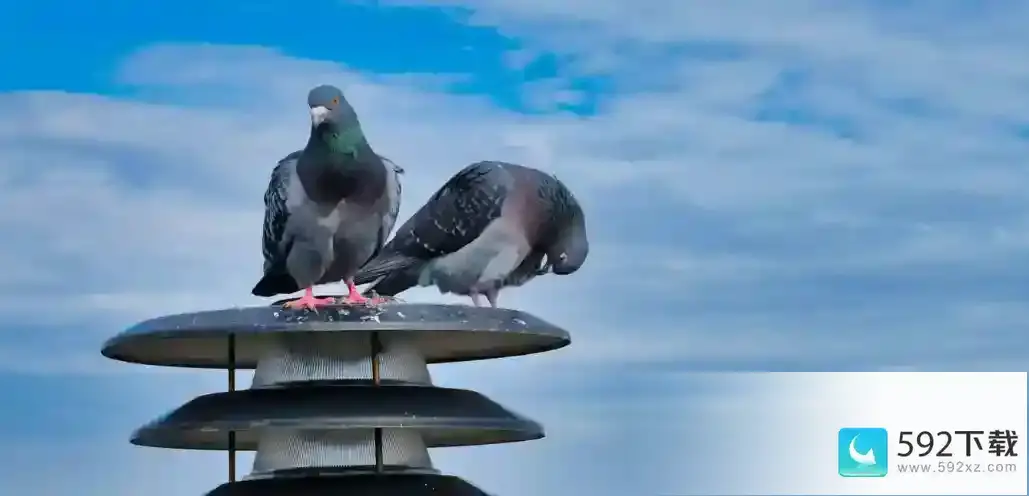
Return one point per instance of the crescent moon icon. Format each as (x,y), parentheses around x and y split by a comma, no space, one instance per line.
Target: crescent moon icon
(862,458)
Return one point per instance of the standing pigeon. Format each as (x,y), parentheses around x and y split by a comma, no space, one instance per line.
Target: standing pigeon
(489,227)
(328,208)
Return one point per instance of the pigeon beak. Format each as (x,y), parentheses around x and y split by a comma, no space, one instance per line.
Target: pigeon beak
(318,115)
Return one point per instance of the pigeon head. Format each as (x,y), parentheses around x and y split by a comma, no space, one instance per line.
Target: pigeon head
(330,109)
(572,246)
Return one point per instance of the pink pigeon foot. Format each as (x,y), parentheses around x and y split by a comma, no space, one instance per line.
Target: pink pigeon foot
(308,301)
(492,296)
(354,297)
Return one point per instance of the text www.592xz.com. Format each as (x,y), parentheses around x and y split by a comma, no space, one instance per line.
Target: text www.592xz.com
(955,467)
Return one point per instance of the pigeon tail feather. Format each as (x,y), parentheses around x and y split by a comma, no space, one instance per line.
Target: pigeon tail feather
(275,284)
(385,266)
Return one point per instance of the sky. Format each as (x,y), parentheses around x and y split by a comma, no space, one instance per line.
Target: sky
(790,185)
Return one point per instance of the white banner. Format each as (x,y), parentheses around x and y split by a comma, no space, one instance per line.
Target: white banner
(891,433)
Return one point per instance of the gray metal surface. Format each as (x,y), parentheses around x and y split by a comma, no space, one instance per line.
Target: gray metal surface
(440,333)
(397,484)
(329,356)
(443,416)
(282,449)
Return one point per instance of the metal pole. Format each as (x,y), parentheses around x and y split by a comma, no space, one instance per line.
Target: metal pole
(377,381)
(232,387)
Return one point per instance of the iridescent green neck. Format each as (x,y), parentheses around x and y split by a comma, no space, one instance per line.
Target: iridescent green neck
(346,141)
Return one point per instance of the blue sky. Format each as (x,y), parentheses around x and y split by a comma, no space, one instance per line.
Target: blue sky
(798,186)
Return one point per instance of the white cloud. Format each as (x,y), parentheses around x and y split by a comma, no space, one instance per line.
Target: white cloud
(166,190)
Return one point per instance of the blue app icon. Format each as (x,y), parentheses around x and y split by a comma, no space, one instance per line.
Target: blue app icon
(863,452)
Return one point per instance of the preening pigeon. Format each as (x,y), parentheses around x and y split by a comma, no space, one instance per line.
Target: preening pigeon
(328,208)
(489,227)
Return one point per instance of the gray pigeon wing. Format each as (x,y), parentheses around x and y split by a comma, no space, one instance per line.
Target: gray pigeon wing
(394,191)
(275,243)
(455,216)
(276,213)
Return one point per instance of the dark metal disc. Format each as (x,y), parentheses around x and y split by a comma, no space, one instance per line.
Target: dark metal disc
(443,333)
(444,416)
(352,485)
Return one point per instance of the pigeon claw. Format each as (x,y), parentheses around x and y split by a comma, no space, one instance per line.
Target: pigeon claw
(357,299)
(388,299)
(308,302)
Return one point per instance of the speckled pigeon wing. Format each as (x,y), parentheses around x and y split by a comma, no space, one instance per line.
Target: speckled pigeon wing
(455,216)
(276,213)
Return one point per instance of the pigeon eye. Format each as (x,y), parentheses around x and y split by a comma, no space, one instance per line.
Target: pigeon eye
(335,101)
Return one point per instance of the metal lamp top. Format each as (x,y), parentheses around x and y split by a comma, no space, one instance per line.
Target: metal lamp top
(442,333)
